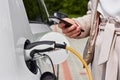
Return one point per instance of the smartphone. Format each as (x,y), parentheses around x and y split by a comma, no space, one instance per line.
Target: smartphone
(59,20)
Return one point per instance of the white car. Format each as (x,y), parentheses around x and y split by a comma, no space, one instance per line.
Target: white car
(15,29)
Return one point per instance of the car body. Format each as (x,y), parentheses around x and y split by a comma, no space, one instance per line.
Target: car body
(15,29)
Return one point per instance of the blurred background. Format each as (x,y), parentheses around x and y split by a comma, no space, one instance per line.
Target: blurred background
(73,8)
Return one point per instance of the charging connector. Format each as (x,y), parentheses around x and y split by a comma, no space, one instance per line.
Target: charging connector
(44,46)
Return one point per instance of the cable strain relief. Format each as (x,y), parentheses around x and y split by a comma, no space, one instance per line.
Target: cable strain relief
(63,46)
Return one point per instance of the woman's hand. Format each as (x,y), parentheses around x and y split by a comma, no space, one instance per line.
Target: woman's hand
(72,31)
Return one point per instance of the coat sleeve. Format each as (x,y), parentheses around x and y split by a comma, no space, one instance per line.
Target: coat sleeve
(84,22)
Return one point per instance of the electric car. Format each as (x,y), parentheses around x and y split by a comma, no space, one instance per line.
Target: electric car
(18,28)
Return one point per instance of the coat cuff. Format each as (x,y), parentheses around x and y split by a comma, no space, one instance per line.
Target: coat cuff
(85,25)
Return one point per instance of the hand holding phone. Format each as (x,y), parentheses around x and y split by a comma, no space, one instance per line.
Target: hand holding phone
(59,20)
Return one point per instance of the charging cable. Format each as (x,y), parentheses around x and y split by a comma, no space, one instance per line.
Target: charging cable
(82,60)
(36,47)
(63,46)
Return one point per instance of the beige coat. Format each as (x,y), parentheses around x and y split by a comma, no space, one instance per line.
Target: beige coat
(106,62)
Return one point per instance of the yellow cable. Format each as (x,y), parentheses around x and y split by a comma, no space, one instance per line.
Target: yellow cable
(82,60)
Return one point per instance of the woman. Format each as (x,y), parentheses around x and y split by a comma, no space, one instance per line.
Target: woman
(102,24)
